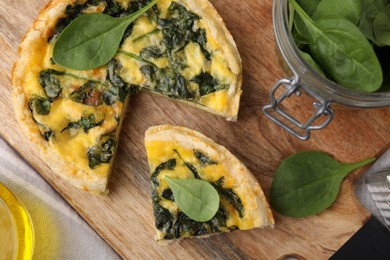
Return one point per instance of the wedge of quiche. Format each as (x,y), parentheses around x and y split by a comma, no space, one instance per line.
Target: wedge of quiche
(181,153)
(178,49)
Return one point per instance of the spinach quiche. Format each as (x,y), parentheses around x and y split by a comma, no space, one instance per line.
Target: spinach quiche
(181,153)
(178,49)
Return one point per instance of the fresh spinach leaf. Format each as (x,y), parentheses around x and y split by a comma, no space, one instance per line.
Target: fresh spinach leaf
(85,123)
(381,26)
(198,199)
(92,40)
(348,9)
(307,183)
(343,52)
(307,57)
(39,106)
(88,94)
(103,151)
(203,159)
(309,6)
(49,82)
(371,8)
(168,165)
(230,196)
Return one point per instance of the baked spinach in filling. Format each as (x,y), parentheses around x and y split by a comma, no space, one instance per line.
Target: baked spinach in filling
(103,151)
(176,226)
(85,123)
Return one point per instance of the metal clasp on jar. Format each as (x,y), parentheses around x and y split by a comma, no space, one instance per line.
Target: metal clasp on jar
(302,130)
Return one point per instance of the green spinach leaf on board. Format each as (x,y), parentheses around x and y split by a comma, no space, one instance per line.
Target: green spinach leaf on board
(343,52)
(198,199)
(92,40)
(348,9)
(308,183)
(381,26)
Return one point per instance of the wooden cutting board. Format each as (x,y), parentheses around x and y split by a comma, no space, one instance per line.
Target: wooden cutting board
(124,218)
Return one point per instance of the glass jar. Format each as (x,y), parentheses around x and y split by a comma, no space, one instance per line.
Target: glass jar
(16,230)
(304,78)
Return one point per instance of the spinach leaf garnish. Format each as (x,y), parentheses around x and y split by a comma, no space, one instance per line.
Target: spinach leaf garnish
(207,83)
(230,196)
(39,106)
(49,82)
(85,123)
(203,159)
(198,199)
(168,165)
(75,49)
(88,94)
(103,151)
(308,182)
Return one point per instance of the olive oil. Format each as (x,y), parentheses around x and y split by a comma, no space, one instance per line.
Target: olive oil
(16,230)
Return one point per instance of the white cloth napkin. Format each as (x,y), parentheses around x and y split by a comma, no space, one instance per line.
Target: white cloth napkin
(60,233)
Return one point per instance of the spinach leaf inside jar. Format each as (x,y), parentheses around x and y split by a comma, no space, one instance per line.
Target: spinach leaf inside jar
(337,44)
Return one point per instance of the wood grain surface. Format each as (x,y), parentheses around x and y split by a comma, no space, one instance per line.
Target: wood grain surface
(124,218)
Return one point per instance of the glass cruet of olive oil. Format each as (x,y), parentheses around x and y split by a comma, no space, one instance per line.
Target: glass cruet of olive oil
(303,79)
(16,230)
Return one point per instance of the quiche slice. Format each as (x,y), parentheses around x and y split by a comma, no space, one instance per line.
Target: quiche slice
(178,49)
(181,153)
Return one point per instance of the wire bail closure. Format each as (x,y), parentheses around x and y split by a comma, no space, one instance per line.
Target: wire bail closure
(293,86)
